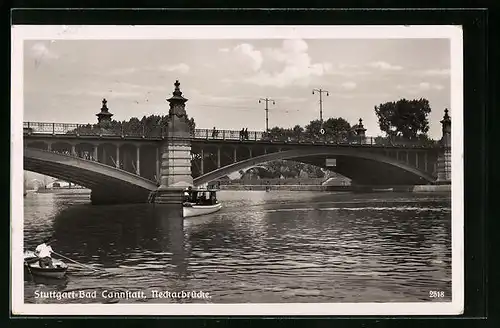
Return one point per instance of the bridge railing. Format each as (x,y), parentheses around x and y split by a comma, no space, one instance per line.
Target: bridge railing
(157,132)
(142,132)
(228,135)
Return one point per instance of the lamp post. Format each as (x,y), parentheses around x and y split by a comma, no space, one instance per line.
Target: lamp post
(320,91)
(267,100)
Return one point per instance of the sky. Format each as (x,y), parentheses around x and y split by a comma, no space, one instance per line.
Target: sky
(223,79)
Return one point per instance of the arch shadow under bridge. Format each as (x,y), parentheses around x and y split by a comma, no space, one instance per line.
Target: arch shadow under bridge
(362,167)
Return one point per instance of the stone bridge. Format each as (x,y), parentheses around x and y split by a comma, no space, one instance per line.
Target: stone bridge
(124,166)
(127,169)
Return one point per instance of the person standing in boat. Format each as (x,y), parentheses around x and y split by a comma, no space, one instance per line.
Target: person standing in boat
(43,252)
(188,195)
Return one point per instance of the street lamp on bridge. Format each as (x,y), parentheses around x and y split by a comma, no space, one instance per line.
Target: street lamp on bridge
(320,91)
(267,100)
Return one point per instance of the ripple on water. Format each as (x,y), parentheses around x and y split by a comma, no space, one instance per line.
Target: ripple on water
(323,247)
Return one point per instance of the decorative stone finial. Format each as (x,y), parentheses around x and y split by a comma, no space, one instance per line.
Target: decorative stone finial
(446,117)
(104,116)
(177,90)
(177,101)
(360,130)
(446,129)
(446,121)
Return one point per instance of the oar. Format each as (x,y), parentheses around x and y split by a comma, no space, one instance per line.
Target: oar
(81,264)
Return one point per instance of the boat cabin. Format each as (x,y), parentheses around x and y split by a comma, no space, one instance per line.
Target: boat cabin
(200,196)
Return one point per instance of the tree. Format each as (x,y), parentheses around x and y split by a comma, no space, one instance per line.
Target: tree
(279,134)
(297,131)
(404,118)
(313,129)
(153,125)
(334,128)
(337,127)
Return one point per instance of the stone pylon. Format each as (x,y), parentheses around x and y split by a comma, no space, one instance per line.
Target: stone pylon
(444,158)
(175,171)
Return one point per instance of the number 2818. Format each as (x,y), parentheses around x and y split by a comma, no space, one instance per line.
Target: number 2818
(436,294)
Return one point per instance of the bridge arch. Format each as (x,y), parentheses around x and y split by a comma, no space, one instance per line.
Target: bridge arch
(104,179)
(361,167)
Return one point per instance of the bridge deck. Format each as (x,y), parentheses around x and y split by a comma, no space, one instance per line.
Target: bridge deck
(70,130)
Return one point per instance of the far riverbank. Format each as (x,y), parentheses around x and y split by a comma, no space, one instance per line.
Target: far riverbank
(417,188)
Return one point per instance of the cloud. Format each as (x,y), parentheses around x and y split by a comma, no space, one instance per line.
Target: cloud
(434,72)
(123,71)
(298,68)
(428,86)
(348,70)
(182,68)
(347,66)
(201,96)
(41,51)
(422,86)
(349,85)
(102,93)
(365,95)
(385,66)
(249,51)
(291,99)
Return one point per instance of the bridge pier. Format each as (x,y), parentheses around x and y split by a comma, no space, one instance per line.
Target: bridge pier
(157,170)
(202,165)
(137,160)
(117,163)
(175,174)
(218,157)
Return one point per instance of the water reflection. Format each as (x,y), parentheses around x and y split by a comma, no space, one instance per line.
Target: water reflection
(261,247)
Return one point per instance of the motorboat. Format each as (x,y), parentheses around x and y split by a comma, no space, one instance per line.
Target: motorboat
(200,202)
(32,267)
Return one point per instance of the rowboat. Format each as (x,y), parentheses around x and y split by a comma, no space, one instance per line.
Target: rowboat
(32,266)
(200,202)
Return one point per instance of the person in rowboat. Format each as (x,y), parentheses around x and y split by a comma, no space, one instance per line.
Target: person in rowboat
(43,252)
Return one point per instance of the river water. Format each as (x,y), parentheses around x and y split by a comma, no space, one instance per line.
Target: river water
(260,248)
